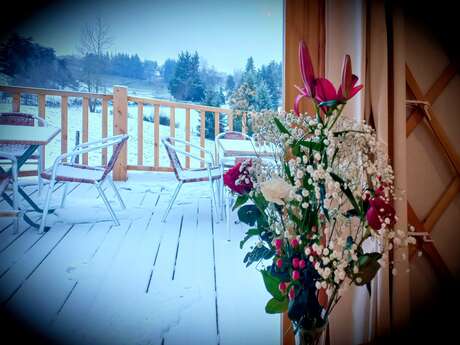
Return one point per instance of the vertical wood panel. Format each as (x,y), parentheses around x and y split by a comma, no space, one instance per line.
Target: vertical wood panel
(104,128)
(244,128)
(64,124)
(84,125)
(187,136)
(216,123)
(304,20)
(202,133)
(230,120)
(156,129)
(140,133)
(16,102)
(120,126)
(172,124)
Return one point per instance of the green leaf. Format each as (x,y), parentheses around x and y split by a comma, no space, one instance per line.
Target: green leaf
(240,200)
(331,103)
(257,254)
(275,306)
(271,284)
(248,214)
(281,127)
(250,233)
(346,191)
(368,267)
(311,145)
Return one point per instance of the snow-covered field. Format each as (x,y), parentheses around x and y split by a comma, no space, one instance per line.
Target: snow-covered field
(53,116)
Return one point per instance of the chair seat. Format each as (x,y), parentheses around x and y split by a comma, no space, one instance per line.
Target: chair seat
(17,150)
(199,175)
(75,173)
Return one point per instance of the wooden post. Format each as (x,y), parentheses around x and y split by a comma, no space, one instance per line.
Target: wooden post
(104,128)
(64,124)
(85,126)
(42,114)
(120,126)
(140,133)
(156,136)
(16,102)
(187,136)
(202,134)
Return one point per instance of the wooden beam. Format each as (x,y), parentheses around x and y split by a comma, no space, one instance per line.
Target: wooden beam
(441,83)
(428,248)
(64,123)
(441,205)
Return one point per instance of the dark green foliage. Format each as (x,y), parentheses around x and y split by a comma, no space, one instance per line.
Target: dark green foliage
(31,64)
(186,84)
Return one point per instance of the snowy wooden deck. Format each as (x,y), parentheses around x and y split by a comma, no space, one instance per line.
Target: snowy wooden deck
(144,282)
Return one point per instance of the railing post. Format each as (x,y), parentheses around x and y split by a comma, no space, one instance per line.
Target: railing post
(120,126)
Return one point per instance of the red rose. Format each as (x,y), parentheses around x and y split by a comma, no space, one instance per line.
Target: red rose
(235,179)
(379,210)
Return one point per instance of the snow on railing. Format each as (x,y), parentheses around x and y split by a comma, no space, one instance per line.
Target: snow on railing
(120,101)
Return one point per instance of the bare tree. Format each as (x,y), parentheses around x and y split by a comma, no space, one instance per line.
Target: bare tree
(95,40)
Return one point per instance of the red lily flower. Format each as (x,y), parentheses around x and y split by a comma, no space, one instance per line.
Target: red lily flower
(347,88)
(308,76)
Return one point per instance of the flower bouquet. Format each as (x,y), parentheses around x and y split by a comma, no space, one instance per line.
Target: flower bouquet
(321,208)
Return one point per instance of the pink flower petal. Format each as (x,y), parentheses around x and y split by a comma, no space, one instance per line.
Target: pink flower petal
(325,91)
(306,69)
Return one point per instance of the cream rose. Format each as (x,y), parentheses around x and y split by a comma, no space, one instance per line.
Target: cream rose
(276,190)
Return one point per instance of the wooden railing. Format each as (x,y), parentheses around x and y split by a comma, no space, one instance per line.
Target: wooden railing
(120,100)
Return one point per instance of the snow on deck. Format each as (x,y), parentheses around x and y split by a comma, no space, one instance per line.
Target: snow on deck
(87,281)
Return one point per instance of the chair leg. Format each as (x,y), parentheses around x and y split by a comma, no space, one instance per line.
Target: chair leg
(46,207)
(16,198)
(40,170)
(227,214)
(117,193)
(171,202)
(64,194)
(211,183)
(107,204)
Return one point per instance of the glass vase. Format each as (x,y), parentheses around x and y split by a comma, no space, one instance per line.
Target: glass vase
(315,336)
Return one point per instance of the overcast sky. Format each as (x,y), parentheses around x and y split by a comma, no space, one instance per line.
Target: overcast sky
(225,33)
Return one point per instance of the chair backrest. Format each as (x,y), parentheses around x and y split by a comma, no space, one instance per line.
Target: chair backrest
(17,119)
(173,157)
(232,135)
(117,146)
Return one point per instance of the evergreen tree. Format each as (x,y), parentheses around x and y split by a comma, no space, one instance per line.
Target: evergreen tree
(230,84)
(167,70)
(29,63)
(262,98)
(186,84)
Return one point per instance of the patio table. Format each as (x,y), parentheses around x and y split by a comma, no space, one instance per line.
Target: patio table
(230,151)
(34,137)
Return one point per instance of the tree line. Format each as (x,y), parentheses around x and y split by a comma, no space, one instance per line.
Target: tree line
(187,77)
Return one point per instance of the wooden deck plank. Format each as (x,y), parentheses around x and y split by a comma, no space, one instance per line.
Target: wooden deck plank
(253,326)
(200,277)
(90,282)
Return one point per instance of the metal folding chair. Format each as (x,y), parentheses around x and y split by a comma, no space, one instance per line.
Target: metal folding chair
(73,172)
(210,173)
